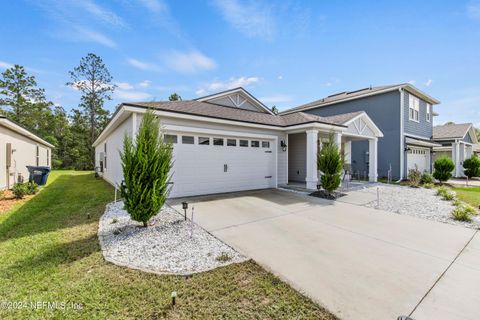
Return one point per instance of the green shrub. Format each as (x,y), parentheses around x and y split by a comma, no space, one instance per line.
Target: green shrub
(2,194)
(441,191)
(443,168)
(449,196)
(414,177)
(330,163)
(428,185)
(32,187)
(472,166)
(146,165)
(463,212)
(427,178)
(19,190)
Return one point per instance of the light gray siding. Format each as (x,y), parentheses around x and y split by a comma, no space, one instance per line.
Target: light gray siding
(422,128)
(384,110)
(297,152)
(468,138)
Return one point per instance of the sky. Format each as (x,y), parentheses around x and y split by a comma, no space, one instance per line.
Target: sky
(285,53)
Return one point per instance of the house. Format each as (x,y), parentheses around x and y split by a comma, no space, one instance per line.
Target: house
(402,112)
(457,142)
(230,141)
(20,148)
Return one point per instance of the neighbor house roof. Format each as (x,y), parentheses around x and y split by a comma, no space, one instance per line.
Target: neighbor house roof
(211,110)
(5,122)
(357,94)
(451,131)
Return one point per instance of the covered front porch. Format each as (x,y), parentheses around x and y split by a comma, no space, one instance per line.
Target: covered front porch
(304,144)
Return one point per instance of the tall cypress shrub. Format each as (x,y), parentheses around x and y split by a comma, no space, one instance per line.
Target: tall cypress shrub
(442,169)
(146,164)
(330,163)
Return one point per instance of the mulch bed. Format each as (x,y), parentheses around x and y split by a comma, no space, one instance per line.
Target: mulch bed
(325,195)
(8,201)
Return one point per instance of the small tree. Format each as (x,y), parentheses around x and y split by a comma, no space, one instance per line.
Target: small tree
(330,163)
(146,169)
(414,177)
(175,97)
(472,167)
(443,168)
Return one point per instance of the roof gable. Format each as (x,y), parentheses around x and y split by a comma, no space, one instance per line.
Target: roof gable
(236,98)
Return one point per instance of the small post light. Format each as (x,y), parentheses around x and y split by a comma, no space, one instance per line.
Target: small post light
(174,296)
(191,223)
(185,207)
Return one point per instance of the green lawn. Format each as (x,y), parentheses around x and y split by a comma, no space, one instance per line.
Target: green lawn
(50,253)
(470,195)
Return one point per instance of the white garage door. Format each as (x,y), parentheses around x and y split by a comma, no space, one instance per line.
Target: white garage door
(205,164)
(418,158)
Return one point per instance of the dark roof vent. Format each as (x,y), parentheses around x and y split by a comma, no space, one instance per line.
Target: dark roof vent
(337,94)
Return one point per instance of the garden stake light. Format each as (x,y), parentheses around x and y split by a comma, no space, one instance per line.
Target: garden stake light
(191,223)
(174,296)
(185,207)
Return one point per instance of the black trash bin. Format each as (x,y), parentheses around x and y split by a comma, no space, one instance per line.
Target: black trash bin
(39,175)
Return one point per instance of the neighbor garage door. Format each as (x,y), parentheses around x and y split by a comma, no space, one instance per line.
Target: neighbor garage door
(206,164)
(418,158)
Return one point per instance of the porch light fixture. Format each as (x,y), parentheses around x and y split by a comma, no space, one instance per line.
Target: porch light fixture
(185,207)
(283,145)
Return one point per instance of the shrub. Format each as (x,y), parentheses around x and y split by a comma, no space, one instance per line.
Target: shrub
(472,166)
(463,212)
(32,187)
(428,185)
(146,168)
(414,177)
(441,191)
(2,194)
(330,163)
(427,178)
(19,190)
(449,196)
(443,168)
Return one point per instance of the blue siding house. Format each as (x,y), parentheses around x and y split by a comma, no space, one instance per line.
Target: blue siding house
(402,112)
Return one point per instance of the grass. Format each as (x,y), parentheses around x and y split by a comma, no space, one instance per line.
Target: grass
(470,195)
(50,253)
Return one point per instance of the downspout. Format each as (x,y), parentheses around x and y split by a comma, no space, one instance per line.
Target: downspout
(402,140)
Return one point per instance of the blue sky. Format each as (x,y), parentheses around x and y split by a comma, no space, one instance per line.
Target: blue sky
(285,53)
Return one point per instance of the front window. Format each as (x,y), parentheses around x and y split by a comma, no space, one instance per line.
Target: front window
(413,108)
(203,141)
(429,112)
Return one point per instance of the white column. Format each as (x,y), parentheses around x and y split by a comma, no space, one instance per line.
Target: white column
(456,158)
(373,160)
(348,152)
(337,138)
(311,156)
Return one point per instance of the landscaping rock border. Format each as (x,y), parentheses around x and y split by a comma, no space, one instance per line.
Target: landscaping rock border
(169,245)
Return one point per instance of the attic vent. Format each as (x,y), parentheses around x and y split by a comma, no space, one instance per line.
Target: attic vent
(237,100)
(336,94)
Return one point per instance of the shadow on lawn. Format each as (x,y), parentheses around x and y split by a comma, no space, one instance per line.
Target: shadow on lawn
(68,201)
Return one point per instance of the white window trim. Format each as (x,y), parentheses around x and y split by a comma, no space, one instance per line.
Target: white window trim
(428,117)
(413,105)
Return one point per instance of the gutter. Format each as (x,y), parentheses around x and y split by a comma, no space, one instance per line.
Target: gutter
(402,138)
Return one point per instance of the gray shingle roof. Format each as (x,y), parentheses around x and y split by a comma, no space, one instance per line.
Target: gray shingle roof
(451,131)
(212,110)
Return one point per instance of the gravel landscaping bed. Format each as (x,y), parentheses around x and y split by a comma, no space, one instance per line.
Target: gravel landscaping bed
(418,202)
(166,246)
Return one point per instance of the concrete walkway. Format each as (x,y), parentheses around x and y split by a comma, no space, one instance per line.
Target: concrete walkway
(358,262)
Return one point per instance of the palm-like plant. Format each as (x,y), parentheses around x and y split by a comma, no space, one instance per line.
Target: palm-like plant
(330,163)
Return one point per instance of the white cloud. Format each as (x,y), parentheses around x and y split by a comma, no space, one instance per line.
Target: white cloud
(280,77)
(131,95)
(89,35)
(429,82)
(252,19)
(154,5)
(473,10)
(142,65)
(189,62)
(231,83)
(102,14)
(5,65)
(279,98)
(124,85)
(200,92)
(144,84)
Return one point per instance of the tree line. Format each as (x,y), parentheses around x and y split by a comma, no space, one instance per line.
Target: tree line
(72,133)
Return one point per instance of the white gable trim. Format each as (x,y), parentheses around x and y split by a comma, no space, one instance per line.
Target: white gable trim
(361,122)
(228,93)
(473,134)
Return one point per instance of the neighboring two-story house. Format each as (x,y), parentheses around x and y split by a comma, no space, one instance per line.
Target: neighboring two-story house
(402,112)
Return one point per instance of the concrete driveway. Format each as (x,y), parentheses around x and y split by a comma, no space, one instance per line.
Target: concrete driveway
(358,262)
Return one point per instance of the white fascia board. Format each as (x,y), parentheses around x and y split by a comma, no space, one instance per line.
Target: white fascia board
(24,132)
(369,121)
(111,125)
(176,128)
(415,136)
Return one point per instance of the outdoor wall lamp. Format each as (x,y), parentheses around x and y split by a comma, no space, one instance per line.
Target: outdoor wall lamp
(185,207)
(407,149)
(283,145)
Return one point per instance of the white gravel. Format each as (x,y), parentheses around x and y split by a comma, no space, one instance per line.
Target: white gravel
(165,246)
(417,202)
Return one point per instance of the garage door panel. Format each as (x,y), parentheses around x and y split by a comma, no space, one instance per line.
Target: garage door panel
(199,169)
(418,158)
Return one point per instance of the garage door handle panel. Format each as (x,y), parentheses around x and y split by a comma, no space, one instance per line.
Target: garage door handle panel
(268,177)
